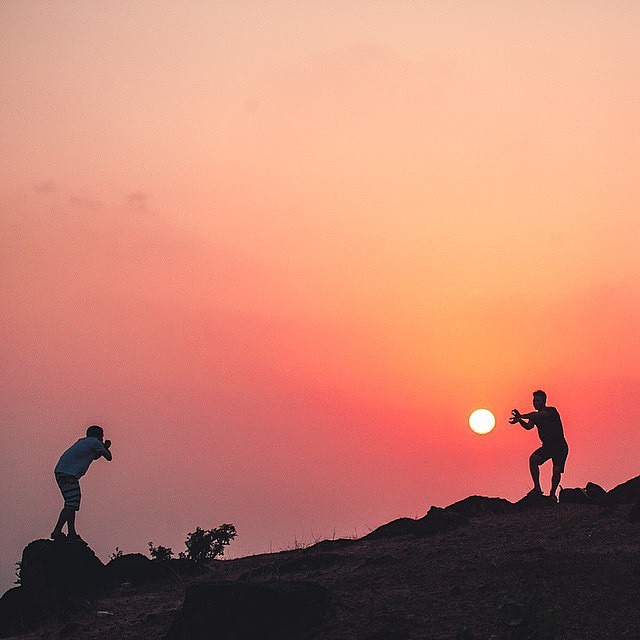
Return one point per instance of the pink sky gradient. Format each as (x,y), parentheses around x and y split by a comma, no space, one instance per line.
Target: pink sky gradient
(280,251)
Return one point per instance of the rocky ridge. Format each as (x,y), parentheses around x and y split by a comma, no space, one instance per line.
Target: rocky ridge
(480,568)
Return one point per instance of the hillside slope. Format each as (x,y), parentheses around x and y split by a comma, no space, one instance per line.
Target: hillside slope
(558,571)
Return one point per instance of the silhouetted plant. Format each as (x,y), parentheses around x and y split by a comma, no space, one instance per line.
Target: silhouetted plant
(160,553)
(18,567)
(207,544)
(116,554)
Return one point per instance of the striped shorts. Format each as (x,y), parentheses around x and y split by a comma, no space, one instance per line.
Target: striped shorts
(70,488)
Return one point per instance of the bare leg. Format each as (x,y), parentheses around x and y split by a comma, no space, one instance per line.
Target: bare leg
(68,517)
(62,519)
(534,467)
(71,523)
(555,479)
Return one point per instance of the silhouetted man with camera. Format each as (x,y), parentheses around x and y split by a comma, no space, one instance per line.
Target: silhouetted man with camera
(73,464)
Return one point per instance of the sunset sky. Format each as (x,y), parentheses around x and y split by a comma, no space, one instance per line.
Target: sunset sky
(280,250)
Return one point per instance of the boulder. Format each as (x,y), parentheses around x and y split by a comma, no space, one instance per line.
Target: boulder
(626,493)
(394,529)
(596,493)
(440,520)
(574,496)
(479,505)
(437,520)
(244,611)
(54,576)
(60,568)
(20,612)
(592,494)
(134,568)
(534,500)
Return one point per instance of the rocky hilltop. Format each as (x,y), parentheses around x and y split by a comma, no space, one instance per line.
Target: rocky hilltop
(482,568)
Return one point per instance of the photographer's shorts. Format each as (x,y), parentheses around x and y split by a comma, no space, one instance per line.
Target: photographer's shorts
(70,488)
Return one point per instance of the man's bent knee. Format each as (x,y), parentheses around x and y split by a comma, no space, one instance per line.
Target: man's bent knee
(536,460)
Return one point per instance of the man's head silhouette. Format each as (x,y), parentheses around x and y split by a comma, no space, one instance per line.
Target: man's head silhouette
(94,431)
(539,399)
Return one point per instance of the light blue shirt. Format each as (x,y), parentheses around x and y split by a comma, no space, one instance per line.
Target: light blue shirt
(76,459)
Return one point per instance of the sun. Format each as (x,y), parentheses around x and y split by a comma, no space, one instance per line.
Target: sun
(482,421)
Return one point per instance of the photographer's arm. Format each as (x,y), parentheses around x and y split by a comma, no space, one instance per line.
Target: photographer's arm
(107,452)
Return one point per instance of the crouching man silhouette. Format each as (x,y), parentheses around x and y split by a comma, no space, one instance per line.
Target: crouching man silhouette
(73,464)
(554,446)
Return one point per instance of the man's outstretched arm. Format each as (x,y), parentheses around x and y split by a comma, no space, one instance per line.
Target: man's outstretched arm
(526,420)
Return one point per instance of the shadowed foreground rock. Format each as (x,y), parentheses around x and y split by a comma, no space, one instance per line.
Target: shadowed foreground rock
(60,568)
(53,576)
(239,611)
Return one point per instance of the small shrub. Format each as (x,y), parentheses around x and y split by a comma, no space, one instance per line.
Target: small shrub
(204,544)
(160,553)
(116,554)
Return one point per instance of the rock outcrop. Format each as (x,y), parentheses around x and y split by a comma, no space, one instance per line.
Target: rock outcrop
(480,505)
(626,493)
(54,577)
(437,520)
(244,611)
(591,494)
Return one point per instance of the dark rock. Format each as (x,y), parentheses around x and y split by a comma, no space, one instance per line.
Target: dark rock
(393,529)
(479,505)
(60,568)
(437,520)
(134,568)
(534,500)
(54,578)
(20,612)
(596,493)
(592,494)
(626,493)
(574,496)
(240,611)
(440,520)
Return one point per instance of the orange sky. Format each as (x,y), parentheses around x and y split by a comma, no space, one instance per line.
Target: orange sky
(280,251)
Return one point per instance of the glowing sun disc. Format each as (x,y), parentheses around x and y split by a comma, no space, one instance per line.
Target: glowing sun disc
(482,421)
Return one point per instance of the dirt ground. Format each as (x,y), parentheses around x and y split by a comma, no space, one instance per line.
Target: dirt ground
(564,571)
